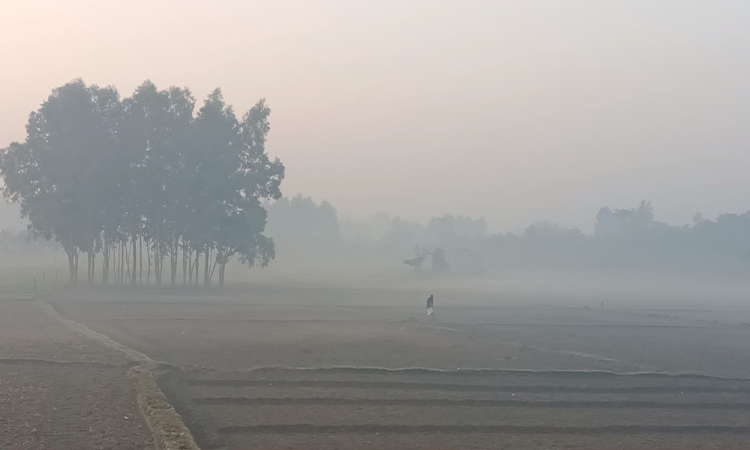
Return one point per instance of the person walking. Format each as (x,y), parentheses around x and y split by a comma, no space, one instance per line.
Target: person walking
(430,303)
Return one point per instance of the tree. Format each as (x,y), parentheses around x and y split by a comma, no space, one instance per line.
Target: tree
(624,221)
(420,254)
(59,174)
(229,173)
(154,127)
(97,174)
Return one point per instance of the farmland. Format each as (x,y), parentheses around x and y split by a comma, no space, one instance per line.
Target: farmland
(314,366)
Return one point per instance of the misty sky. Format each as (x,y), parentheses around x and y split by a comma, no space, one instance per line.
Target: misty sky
(516,111)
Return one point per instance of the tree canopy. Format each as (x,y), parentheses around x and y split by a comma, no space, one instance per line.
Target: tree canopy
(108,176)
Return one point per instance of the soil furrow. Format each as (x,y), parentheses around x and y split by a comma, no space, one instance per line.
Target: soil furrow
(333,401)
(343,384)
(476,429)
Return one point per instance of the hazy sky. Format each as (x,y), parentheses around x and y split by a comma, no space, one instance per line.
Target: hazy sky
(513,110)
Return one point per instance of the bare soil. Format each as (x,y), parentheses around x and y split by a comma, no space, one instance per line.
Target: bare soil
(367,369)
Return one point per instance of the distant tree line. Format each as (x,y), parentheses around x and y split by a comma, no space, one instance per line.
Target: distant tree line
(145,184)
(313,232)
(623,239)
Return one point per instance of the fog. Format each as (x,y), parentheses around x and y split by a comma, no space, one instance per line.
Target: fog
(495,131)
(374,224)
(513,111)
(631,260)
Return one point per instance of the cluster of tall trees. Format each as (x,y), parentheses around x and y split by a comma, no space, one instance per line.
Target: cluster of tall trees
(144,185)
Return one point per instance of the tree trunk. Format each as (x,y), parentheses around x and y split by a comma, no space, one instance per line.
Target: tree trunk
(128,275)
(73,272)
(206,263)
(140,259)
(213,267)
(114,263)
(75,265)
(88,266)
(119,263)
(105,262)
(157,253)
(184,263)
(222,268)
(92,266)
(122,264)
(135,256)
(190,267)
(113,257)
(173,255)
(197,265)
(158,265)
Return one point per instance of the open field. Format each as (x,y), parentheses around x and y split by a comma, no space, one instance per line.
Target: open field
(295,366)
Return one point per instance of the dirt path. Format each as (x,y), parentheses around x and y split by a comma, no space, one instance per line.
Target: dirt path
(61,390)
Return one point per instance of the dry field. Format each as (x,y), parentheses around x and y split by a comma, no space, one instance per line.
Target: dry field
(316,367)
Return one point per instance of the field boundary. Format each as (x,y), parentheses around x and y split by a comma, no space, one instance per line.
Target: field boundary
(17,298)
(53,362)
(394,321)
(468,372)
(478,429)
(410,386)
(568,404)
(166,425)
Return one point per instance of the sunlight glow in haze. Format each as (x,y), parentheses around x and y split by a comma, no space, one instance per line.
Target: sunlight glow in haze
(512,110)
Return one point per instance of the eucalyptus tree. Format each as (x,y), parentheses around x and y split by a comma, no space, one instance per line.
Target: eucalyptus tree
(154,122)
(59,174)
(231,173)
(256,178)
(98,174)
